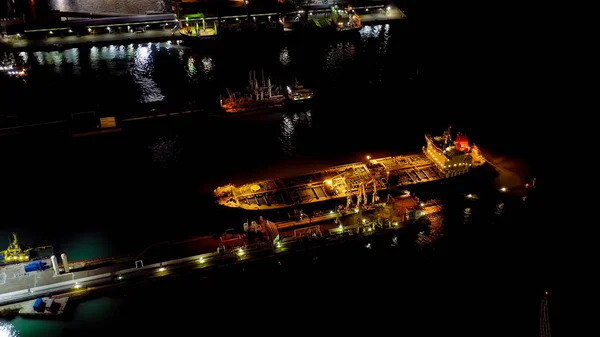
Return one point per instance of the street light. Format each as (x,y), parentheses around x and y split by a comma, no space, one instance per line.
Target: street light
(503,189)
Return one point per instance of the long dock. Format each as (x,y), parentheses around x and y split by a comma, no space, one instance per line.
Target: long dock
(357,180)
(116,29)
(16,286)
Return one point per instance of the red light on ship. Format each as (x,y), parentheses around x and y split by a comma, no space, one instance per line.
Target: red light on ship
(546,293)
(462,143)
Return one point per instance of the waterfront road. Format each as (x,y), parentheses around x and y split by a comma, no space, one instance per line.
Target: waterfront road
(150,35)
(376,14)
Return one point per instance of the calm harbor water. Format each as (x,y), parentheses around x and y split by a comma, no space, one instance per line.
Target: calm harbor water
(102,179)
(118,193)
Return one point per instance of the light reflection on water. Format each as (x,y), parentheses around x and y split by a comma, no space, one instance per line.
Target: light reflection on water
(380,35)
(338,55)
(72,57)
(289,128)
(208,65)
(162,72)
(466,215)
(284,57)
(435,231)
(136,61)
(165,151)
(141,72)
(116,77)
(191,68)
(7,330)
(499,209)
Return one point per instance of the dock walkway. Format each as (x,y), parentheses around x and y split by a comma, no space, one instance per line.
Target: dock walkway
(18,286)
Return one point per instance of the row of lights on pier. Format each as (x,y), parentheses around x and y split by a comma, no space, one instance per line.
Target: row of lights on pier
(51,32)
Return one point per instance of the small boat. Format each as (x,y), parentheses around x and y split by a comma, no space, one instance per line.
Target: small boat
(15,252)
(298,93)
(258,98)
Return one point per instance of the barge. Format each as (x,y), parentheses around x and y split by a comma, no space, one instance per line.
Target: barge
(262,97)
(358,183)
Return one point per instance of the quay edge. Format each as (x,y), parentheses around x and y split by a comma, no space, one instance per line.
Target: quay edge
(49,43)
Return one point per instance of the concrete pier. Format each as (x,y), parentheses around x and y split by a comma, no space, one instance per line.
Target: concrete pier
(68,37)
(18,287)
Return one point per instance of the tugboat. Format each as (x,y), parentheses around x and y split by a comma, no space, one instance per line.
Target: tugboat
(18,253)
(259,99)
(15,252)
(298,93)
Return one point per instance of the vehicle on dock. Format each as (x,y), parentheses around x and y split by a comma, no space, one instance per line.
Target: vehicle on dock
(35,266)
(358,183)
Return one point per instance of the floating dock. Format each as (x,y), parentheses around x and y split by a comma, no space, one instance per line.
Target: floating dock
(44,306)
(40,307)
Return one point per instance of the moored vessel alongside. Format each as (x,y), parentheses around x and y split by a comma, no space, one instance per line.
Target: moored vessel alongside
(298,93)
(262,97)
(258,98)
(358,183)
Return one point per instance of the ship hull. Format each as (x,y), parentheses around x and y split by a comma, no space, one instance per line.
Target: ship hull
(248,112)
(286,106)
(346,182)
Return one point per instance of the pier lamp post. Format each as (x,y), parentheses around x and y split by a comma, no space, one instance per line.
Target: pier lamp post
(388,185)
(247,5)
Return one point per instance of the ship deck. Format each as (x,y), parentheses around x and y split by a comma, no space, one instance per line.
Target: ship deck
(333,183)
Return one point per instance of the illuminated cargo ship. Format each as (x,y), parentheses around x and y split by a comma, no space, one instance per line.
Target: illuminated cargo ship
(259,98)
(358,183)
(263,97)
